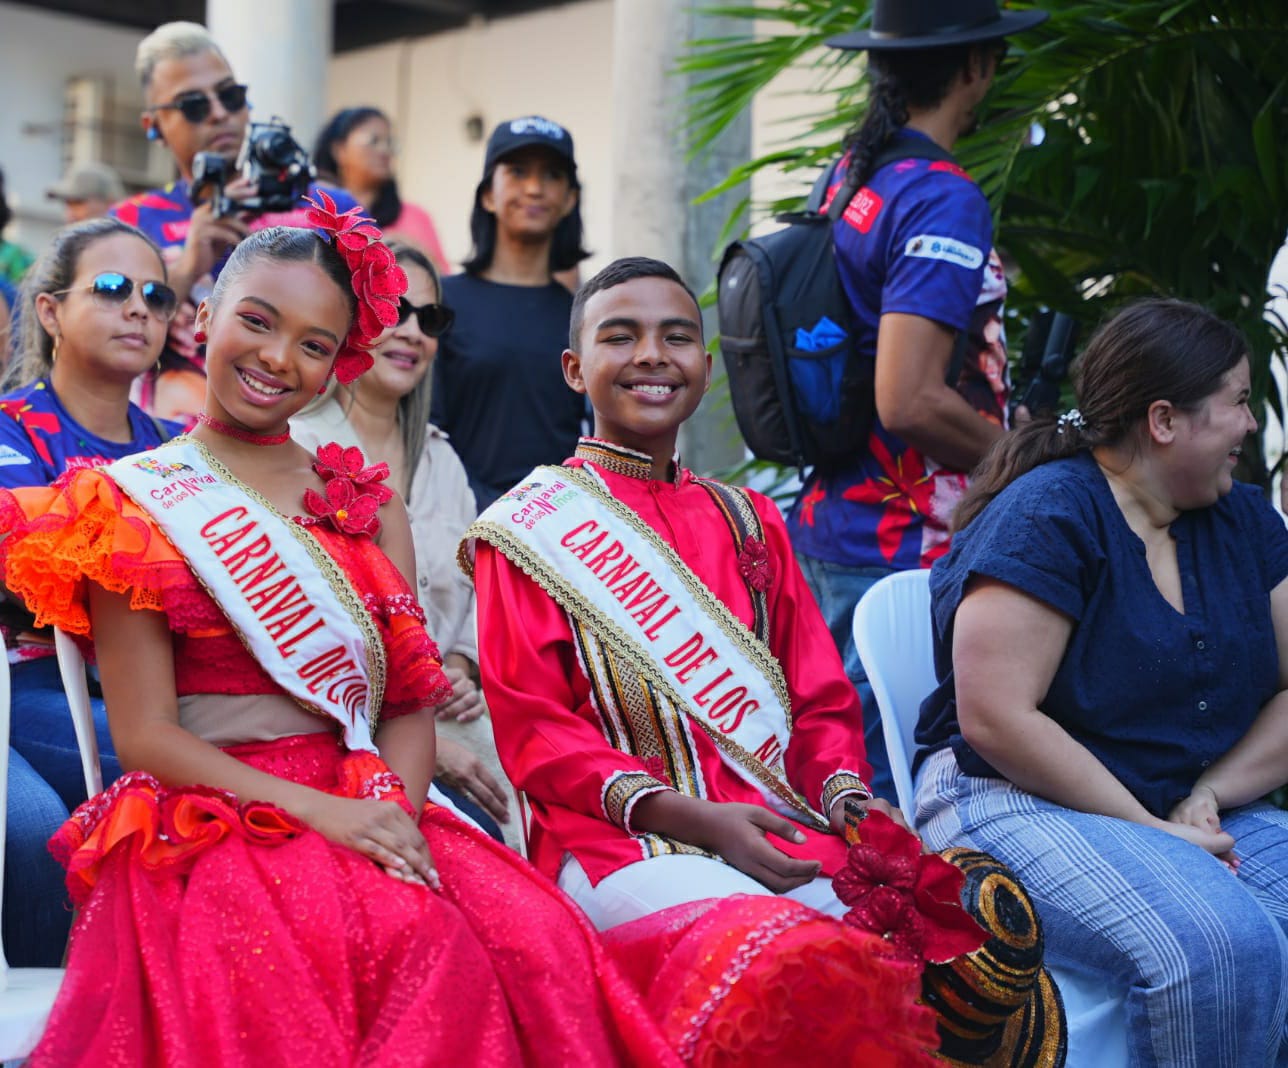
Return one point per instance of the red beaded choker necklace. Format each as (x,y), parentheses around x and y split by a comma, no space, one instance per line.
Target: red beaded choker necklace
(248,436)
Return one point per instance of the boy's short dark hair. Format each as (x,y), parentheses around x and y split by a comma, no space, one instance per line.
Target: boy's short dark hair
(627,269)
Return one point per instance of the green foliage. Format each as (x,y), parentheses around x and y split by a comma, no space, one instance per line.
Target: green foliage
(1162,169)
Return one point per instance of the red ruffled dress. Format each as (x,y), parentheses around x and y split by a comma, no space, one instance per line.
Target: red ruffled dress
(222,931)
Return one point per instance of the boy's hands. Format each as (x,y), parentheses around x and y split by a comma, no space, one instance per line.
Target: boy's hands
(733,831)
(738,833)
(875,804)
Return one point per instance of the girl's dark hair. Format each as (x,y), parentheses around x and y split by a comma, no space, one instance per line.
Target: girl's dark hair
(287,244)
(899,80)
(388,204)
(1152,350)
(54,272)
(565,250)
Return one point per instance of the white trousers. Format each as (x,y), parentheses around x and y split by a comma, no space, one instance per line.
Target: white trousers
(649,886)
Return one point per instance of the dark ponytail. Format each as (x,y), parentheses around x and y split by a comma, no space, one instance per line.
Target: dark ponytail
(1152,350)
(899,81)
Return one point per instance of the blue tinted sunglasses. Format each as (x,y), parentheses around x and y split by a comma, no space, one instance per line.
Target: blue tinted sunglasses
(111,289)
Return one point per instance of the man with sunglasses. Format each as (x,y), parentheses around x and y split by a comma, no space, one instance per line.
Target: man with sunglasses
(914,250)
(193,104)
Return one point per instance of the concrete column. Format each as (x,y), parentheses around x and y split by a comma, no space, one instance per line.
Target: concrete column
(281,49)
(654,183)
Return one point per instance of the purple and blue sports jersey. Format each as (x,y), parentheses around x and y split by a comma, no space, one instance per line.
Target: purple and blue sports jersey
(165,216)
(39,440)
(916,239)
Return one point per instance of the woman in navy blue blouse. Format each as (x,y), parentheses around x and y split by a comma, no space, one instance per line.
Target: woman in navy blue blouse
(1111,640)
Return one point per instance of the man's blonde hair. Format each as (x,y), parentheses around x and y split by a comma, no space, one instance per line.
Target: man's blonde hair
(173,40)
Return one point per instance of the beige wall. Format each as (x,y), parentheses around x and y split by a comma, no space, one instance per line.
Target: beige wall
(39,52)
(556,63)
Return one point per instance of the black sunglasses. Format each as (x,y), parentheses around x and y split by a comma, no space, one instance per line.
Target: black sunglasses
(111,289)
(196,106)
(434,320)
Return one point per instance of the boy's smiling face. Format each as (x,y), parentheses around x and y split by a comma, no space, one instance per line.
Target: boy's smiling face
(642,362)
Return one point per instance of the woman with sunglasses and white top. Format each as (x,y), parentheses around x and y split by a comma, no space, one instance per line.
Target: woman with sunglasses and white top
(386,414)
(94,311)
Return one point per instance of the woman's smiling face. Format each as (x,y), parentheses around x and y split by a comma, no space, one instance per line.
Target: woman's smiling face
(404,354)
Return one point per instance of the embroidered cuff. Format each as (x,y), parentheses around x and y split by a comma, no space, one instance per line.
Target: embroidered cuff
(621,792)
(842,784)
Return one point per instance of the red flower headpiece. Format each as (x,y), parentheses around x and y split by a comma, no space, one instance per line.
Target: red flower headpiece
(378,281)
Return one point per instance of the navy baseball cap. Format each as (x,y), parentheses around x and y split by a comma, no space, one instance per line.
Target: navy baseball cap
(529,132)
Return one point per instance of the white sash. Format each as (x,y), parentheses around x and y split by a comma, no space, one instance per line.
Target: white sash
(287,599)
(611,571)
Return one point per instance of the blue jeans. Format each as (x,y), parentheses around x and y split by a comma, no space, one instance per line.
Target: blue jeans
(41,730)
(1202,952)
(838,589)
(37,914)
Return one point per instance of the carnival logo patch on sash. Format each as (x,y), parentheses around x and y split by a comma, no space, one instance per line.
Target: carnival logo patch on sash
(153,466)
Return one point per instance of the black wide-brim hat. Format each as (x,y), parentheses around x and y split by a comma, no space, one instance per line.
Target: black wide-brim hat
(907,24)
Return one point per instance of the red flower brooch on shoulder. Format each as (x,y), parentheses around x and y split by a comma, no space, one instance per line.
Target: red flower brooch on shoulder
(353,495)
(377,280)
(755,566)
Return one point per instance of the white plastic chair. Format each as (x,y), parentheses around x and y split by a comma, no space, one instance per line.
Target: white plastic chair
(71,667)
(893,634)
(26,994)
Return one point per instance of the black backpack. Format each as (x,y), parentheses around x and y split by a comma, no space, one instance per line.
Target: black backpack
(801,391)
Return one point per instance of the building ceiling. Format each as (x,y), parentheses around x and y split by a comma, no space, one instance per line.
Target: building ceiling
(358,23)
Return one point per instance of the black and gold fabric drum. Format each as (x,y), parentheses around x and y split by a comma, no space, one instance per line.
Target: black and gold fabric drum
(997,1006)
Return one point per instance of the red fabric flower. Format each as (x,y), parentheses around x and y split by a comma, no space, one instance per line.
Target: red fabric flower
(377,281)
(755,566)
(656,767)
(888,860)
(350,230)
(894,917)
(335,461)
(867,869)
(347,510)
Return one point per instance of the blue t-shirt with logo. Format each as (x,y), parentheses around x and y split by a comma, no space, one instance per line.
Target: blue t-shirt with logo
(916,239)
(39,440)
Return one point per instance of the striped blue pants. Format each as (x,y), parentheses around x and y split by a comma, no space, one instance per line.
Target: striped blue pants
(1202,952)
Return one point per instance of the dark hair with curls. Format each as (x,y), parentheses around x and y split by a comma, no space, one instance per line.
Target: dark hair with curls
(1152,350)
(287,244)
(626,269)
(388,204)
(899,80)
(565,250)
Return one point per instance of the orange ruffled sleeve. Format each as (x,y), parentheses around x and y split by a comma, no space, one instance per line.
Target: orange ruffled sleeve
(82,529)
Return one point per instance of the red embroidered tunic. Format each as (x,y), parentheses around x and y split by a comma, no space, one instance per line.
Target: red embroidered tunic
(550,736)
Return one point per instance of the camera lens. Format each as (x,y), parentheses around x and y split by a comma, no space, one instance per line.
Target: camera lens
(276,149)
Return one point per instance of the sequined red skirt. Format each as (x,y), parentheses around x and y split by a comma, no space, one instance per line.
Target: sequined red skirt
(213,933)
(238,937)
